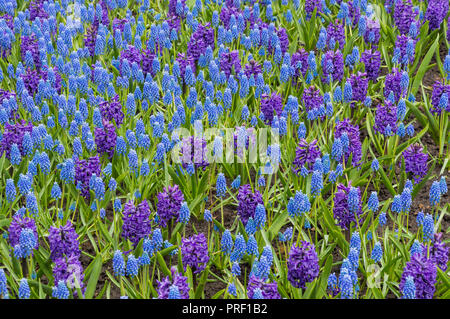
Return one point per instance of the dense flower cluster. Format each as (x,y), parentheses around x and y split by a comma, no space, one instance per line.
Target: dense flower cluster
(354,142)
(438,251)
(299,62)
(194,251)
(305,155)
(342,211)
(14,134)
(112,110)
(386,118)
(436,12)
(359,84)
(271,104)
(69,269)
(335,35)
(201,39)
(105,138)
(403,15)
(252,68)
(18,235)
(63,241)
(229,61)
(194,152)
(423,271)
(169,204)
(136,221)
(184,61)
(248,201)
(372,62)
(269,290)
(312,98)
(30,44)
(393,84)
(416,162)
(178,280)
(439,88)
(332,66)
(84,169)
(303,264)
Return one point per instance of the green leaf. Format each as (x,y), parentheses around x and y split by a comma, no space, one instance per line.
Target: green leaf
(423,67)
(93,278)
(35,284)
(321,288)
(310,287)
(202,283)
(44,264)
(104,231)
(102,292)
(5,222)
(218,294)
(444,277)
(277,223)
(219,225)
(163,264)
(377,293)
(332,228)
(386,181)
(311,29)
(446,295)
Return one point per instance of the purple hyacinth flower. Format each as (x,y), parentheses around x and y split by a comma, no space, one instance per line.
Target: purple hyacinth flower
(438,251)
(360,85)
(352,132)
(439,88)
(386,115)
(112,110)
(436,13)
(303,264)
(341,210)
(194,251)
(84,169)
(403,15)
(269,289)
(16,226)
(305,155)
(178,280)
(424,273)
(372,63)
(63,241)
(270,104)
(70,270)
(332,66)
(14,134)
(105,139)
(247,203)
(200,40)
(230,61)
(416,162)
(169,204)
(136,221)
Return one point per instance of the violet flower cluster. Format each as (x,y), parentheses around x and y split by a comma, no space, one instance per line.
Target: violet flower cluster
(303,264)
(247,203)
(178,280)
(194,251)
(63,241)
(169,204)
(136,221)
